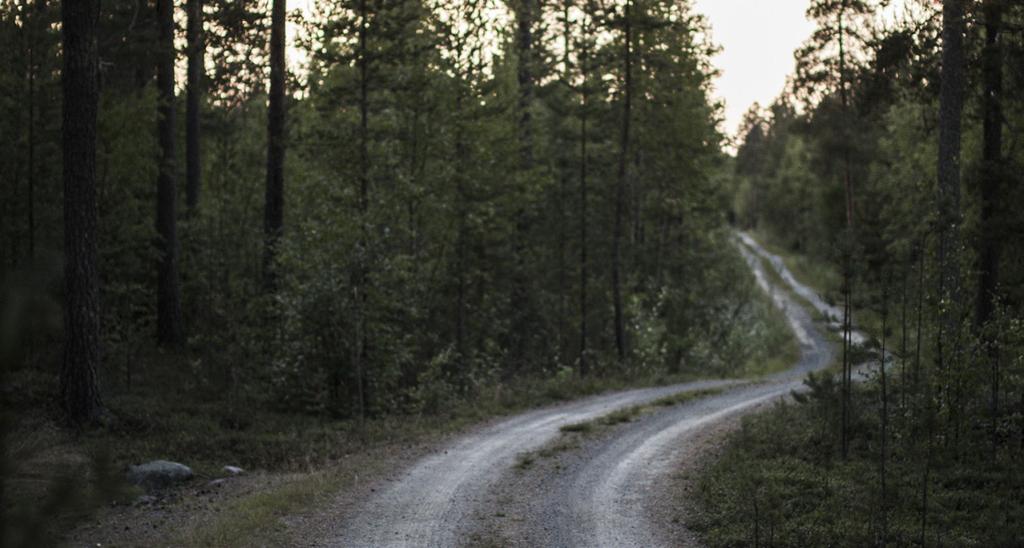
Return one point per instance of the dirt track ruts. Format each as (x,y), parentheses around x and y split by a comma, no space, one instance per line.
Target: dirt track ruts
(606,496)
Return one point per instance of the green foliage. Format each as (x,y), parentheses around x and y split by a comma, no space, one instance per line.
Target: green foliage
(779,483)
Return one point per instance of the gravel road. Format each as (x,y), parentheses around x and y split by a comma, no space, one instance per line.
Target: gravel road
(431,504)
(612,491)
(616,491)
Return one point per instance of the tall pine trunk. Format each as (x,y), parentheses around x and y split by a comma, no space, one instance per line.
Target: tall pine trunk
(951,101)
(169,323)
(196,60)
(988,239)
(79,387)
(847,253)
(522,296)
(461,237)
(33,14)
(273,209)
(992,134)
(361,278)
(620,187)
(584,61)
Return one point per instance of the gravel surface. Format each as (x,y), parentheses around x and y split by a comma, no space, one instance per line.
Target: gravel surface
(620,487)
(614,487)
(433,502)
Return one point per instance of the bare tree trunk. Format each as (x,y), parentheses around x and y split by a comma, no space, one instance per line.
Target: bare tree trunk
(361,275)
(32,26)
(620,188)
(170,331)
(989,241)
(847,251)
(920,313)
(526,19)
(196,59)
(584,277)
(79,387)
(847,366)
(273,212)
(992,146)
(461,236)
(903,334)
(948,197)
(884,417)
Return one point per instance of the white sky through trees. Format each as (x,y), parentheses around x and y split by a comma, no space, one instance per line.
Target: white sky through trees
(757,37)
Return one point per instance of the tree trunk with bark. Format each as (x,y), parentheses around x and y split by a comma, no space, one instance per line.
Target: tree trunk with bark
(170,331)
(79,387)
(989,248)
(522,295)
(584,60)
(273,212)
(951,101)
(620,187)
(196,61)
(992,145)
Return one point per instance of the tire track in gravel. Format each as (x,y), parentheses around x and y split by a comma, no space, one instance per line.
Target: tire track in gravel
(616,491)
(431,503)
(604,498)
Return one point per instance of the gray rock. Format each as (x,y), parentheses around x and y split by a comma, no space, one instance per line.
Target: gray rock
(233,470)
(158,474)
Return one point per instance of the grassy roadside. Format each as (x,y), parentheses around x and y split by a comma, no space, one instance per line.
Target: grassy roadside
(780,480)
(295,461)
(827,280)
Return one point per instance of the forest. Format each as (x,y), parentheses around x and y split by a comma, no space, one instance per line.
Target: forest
(248,232)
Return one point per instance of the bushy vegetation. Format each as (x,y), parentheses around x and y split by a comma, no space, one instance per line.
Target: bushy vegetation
(474,222)
(780,482)
(887,192)
(433,245)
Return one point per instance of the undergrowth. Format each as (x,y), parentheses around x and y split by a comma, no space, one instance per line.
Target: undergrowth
(781,482)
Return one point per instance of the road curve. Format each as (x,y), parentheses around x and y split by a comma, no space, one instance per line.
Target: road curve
(833,313)
(607,496)
(600,501)
(431,504)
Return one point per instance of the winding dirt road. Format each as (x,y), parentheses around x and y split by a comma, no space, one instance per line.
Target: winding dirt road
(604,497)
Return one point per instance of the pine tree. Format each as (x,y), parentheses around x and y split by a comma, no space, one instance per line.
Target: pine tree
(193,128)
(170,331)
(79,387)
(622,174)
(273,219)
(992,157)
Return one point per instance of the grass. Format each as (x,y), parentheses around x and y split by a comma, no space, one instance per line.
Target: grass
(778,349)
(569,440)
(255,518)
(686,397)
(310,458)
(629,414)
(780,482)
(526,459)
